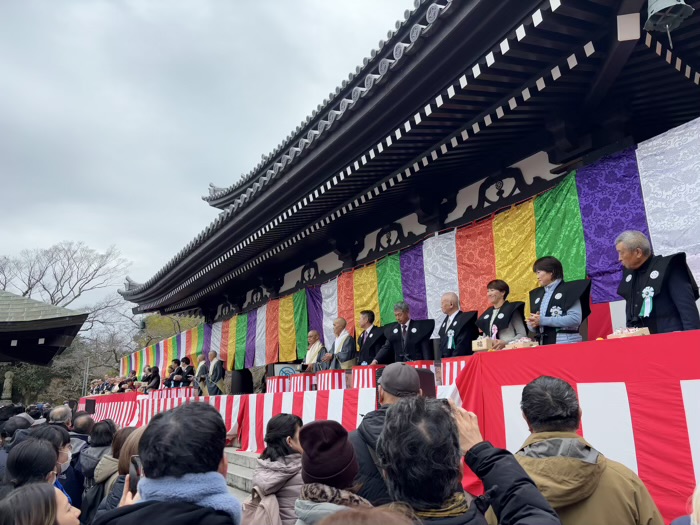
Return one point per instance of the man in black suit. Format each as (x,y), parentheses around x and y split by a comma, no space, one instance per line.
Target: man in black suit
(371,339)
(407,339)
(660,291)
(458,330)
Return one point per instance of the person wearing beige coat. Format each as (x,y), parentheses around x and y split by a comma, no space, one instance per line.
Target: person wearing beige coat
(279,467)
(581,484)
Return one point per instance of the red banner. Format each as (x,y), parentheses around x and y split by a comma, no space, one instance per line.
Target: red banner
(640,399)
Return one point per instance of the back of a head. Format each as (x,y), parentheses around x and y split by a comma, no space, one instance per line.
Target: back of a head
(34,411)
(119,440)
(368,516)
(30,461)
(279,428)
(329,457)
(60,415)
(189,439)
(419,452)
(102,434)
(57,436)
(31,504)
(14,424)
(128,449)
(83,423)
(550,404)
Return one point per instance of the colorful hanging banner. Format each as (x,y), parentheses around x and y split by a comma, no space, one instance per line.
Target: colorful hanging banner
(476,265)
(241,339)
(329,306)
(559,230)
(272,342)
(301,323)
(250,339)
(366,292)
(514,246)
(288,333)
(413,281)
(390,288)
(260,336)
(610,200)
(577,222)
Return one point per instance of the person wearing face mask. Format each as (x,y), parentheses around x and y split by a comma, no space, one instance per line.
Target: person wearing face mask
(558,307)
(68,479)
(38,504)
(31,461)
(504,321)
(278,473)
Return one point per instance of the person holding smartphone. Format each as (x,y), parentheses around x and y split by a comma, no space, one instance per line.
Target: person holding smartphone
(421,451)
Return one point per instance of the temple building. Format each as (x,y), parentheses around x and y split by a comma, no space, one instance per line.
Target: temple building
(478,136)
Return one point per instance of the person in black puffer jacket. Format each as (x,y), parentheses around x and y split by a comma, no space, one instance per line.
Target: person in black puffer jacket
(101,438)
(398,380)
(421,450)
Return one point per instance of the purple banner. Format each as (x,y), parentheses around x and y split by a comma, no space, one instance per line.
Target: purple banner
(610,195)
(206,348)
(314,305)
(413,281)
(250,339)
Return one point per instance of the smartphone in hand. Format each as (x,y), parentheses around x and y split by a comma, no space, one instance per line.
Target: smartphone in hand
(135,473)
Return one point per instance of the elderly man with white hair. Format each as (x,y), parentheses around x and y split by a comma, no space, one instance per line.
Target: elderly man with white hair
(458,330)
(660,290)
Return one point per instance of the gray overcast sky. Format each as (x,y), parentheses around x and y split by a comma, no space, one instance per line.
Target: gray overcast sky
(116,115)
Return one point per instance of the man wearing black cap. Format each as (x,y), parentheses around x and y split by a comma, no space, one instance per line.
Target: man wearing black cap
(398,380)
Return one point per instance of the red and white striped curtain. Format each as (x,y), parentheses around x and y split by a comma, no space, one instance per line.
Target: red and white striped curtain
(331,380)
(277,384)
(302,382)
(365,376)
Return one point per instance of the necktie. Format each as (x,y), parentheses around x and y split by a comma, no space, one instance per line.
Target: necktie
(403,335)
(364,337)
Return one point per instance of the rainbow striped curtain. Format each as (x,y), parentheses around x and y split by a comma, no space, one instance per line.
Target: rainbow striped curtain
(577,222)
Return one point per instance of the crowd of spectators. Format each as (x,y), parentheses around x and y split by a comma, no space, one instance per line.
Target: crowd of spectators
(403,465)
(180,373)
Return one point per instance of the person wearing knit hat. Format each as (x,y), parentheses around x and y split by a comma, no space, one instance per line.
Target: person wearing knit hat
(328,469)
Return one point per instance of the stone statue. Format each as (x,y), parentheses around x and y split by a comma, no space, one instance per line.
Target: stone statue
(7,387)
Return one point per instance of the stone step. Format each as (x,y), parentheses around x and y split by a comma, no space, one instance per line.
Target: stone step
(243,459)
(239,494)
(240,478)
(241,466)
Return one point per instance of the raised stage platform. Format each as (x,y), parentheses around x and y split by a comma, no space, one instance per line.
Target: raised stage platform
(640,399)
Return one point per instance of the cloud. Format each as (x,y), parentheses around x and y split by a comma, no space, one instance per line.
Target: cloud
(115,116)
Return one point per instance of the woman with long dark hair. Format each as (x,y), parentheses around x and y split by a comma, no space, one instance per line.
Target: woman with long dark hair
(279,466)
(37,504)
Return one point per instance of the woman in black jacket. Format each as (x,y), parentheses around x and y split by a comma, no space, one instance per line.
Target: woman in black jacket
(154,380)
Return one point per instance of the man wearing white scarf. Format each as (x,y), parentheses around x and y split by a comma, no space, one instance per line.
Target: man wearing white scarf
(315,348)
(343,352)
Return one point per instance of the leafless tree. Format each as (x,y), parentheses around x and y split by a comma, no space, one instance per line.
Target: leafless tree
(61,274)
(5,272)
